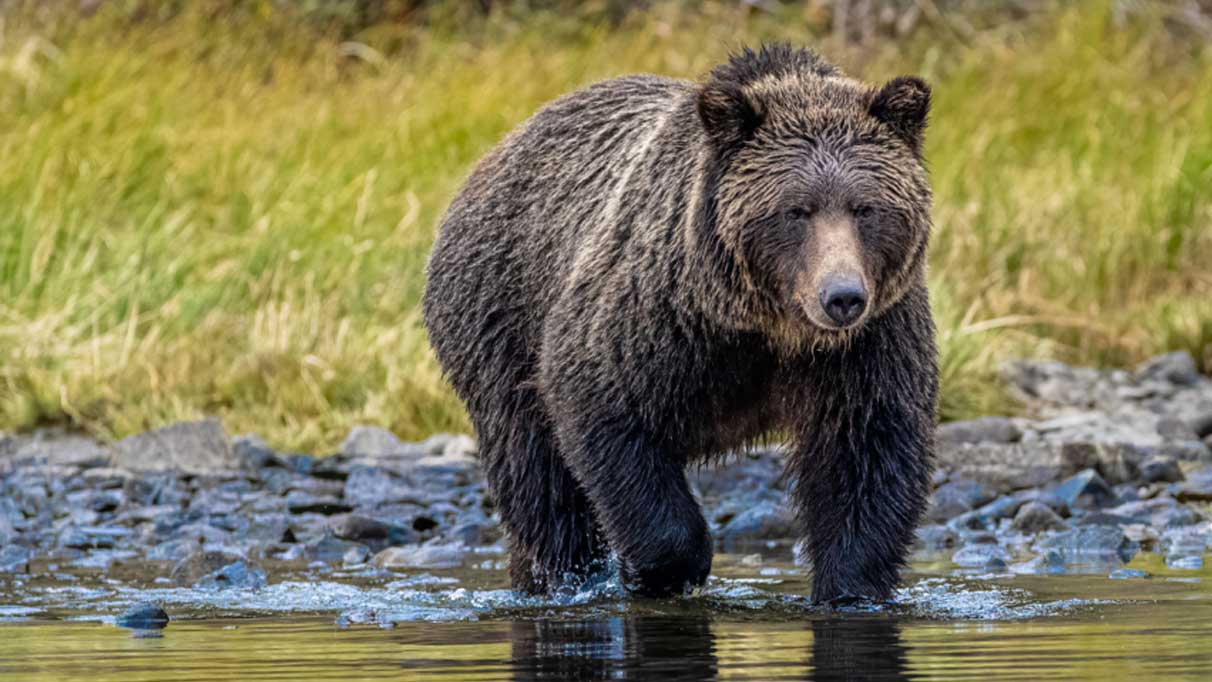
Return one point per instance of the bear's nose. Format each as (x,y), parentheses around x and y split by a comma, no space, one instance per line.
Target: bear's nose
(844,300)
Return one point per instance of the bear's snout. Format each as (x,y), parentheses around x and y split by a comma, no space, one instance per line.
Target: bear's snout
(844,299)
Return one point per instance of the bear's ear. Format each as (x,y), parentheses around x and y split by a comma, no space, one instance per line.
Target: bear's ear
(903,105)
(729,116)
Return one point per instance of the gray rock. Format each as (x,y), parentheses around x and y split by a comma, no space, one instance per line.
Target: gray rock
(1003,467)
(1201,424)
(1127,574)
(1085,490)
(55,448)
(956,497)
(299,502)
(143,616)
(1105,519)
(372,531)
(373,486)
(1177,368)
(199,564)
(421,556)
(1090,541)
(1173,428)
(1197,487)
(15,559)
(1115,462)
(375,443)
(935,537)
(238,575)
(763,521)
(1160,470)
(330,549)
(981,430)
(1036,517)
(1185,562)
(193,447)
(1046,498)
(1048,563)
(980,554)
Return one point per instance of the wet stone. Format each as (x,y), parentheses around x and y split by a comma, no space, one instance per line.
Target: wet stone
(329,549)
(1127,574)
(1036,517)
(958,496)
(238,575)
(199,564)
(1104,519)
(143,616)
(306,503)
(1085,490)
(372,531)
(763,521)
(1090,541)
(976,555)
(935,537)
(1190,562)
(15,559)
(421,556)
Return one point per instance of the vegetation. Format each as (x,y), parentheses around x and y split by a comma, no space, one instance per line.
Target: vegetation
(229,213)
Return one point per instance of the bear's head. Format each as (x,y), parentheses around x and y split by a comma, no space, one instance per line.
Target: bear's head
(818,191)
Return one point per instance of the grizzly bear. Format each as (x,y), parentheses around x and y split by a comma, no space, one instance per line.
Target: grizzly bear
(650,272)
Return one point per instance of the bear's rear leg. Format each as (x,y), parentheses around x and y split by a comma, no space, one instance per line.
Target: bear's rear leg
(553,539)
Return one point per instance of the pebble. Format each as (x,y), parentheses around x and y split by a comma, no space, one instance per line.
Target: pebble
(143,616)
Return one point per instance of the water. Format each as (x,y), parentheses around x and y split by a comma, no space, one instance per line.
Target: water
(750,622)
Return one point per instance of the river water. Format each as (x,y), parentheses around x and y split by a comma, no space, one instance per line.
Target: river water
(750,622)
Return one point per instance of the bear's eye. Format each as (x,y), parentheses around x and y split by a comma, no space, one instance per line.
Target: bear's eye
(799,213)
(862,211)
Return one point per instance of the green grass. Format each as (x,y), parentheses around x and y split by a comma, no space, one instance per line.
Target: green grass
(204,217)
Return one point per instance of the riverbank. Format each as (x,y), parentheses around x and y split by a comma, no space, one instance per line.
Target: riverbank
(1110,465)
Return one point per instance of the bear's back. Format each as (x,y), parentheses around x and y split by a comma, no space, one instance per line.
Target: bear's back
(543,197)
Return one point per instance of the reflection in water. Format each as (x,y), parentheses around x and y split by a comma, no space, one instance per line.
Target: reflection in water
(619,648)
(857,648)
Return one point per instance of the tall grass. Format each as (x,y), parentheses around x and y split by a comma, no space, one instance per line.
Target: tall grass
(231,217)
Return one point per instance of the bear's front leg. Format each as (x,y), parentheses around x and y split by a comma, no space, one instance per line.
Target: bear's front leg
(642,502)
(862,463)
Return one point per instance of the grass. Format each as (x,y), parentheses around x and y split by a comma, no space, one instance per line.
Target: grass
(231,217)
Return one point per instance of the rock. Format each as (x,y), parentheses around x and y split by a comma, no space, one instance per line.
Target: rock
(373,442)
(374,486)
(981,430)
(239,575)
(956,497)
(1048,563)
(1173,428)
(1197,487)
(1160,470)
(935,537)
(1201,424)
(421,556)
(1046,498)
(1189,562)
(1003,467)
(193,447)
(143,616)
(15,559)
(329,549)
(1090,541)
(355,556)
(1036,517)
(55,448)
(994,565)
(1115,462)
(460,446)
(1085,490)
(1104,519)
(372,531)
(1127,574)
(1177,368)
(199,564)
(763,521)
(980,554)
